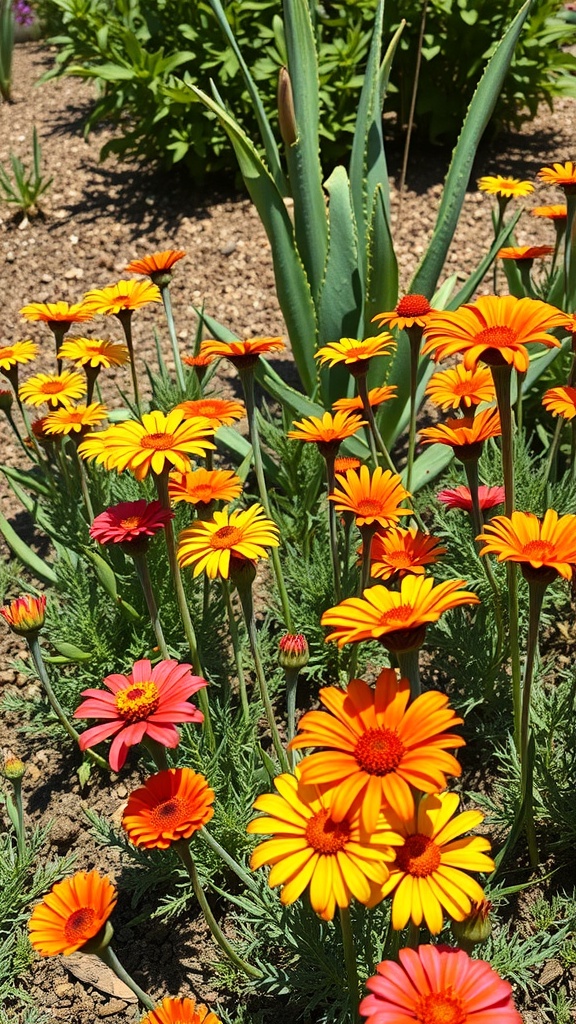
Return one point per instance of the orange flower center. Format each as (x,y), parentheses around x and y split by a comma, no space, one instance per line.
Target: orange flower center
(131,523)
(204,493)
(413,305)
(207,408)
(356,353)
(94,349)
(538,550)
(419,857)
(464,387)
(137,701)
(160,442)
(496,337)
(79,925)
(398,616)
(440,1008)
(325,835)
(369,507)
(6,353)
(226,537)
(401,559)
(52,387)
(169,814)
(379,751)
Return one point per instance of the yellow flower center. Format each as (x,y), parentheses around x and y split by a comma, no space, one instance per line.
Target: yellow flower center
(160,442)
(226,537)
(440,1008)
(137,701)
(419,857)
(369,507)
(325,835)
(169,814)
(131,522)
(538,550)
(413,305)
(399,615)
(496,337)
(79,925)
(379,751)
(52,387)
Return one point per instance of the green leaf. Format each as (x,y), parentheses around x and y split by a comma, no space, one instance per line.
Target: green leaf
(430,465)
(28,478)
(479,113)
(241,450)
(29,558)
(382,279)
(305,171)
(83,773)
(105,574)
(292,285)
(70,651)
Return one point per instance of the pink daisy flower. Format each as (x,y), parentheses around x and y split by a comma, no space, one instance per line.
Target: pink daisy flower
(130,521)
(146,703)
(438,985)
(460,497)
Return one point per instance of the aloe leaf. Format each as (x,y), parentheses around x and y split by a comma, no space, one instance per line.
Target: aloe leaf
(303,156)
(292,285)
(429,465)
(477,117)
(29,558)
(241,450)
(268,140)
(382,280)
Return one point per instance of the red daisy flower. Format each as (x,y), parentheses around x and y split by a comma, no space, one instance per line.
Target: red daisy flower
(460,497)
(146,703)
(130,521)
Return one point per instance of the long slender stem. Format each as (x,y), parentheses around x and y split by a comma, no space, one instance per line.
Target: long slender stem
(108,957)
(183,852)
(536,597)
(162,488)
(553,450)
(55,704)
(413,937)
(81,467)
(247,380)
(225,856)
(125,318)
(333,527)
(369,414)
(165,292)
(367,533)
(350,960)
(235,638)
(245,593)
(570,250)
(409,662)
(141,566)
(20,833)
(415,336)
(471,470)
(291,680)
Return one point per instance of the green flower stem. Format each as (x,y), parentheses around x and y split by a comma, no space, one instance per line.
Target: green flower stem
(108,957)
(235,639)
(291,679)
(570,250)
(501,376)
(157,752)
(125,318)
(59,331)
(162,488)
(502,204)
(415,336)
(369,414)
(348,520)
(141,566)
(553,451)
(165,292)
(524,268)
(247,379)
(559,226)
(333,527)
(16,432)
(520,378)
(57,708)
(83,476)
(239,871)
(413,936)
(244,588)
(19,819)
(367,533)
(573,451)
(183,851)
(409,663)
(471,470)
(351,963)
(91,378)
(536,590)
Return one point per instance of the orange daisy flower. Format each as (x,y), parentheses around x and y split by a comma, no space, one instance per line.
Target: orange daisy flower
(53,388)
(57,314)
(399,552)
(220,412)
(242,535)
(537,544)
(355,354)
(465,435)
(203,486)
(372,497)
(72,913)
(345,462)
(563,175)
(126,296)
(156,265)
(171,805)
(327,432)
(70,419)
(336,859)
(201,360)
(19,353)
(241,353)
(375,397)
(459,388)
(398,618)
(377,747)
(94,352)
(560,402)
(498,185)
(439,986)
(524,252)
(495,329)
(411,311)
(183,1011)
(557,212)
(149,445)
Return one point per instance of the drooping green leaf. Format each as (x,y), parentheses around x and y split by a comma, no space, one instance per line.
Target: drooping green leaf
(28,478)
(29,558)
(479,113)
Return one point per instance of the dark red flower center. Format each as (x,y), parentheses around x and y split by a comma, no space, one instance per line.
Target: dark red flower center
(169,814)
(496,337)
(79,925)
(413,305)
(379,751)
(325,835)
(419,857)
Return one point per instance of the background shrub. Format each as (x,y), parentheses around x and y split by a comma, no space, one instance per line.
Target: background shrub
(139,51)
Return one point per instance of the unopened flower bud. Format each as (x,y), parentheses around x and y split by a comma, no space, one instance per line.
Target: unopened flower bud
(6,401)
(293,651)
(12,768)
(26,614)
(475,928)
(286,114)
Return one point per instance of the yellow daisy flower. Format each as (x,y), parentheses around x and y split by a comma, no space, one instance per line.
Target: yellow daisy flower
(53,388)
(69,419)
(94,352)
(242,535)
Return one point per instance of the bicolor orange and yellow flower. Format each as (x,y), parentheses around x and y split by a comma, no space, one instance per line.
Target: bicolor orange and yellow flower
(209,546)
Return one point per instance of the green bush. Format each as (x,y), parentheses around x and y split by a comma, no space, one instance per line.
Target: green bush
(137,52)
